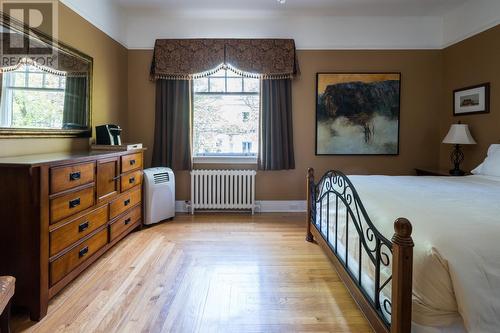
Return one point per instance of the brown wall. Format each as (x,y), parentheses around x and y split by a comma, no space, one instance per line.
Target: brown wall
(122,93)
(471,62)
(420,106)
(109,86)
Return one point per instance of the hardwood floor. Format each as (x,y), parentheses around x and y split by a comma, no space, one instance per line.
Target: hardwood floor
(208,273)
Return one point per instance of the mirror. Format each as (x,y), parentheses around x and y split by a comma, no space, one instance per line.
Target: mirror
(45,86)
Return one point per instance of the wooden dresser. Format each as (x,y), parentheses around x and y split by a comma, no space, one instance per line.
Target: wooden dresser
(59,213)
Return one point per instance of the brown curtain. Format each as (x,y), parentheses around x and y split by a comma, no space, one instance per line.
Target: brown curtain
(172,146)
(276,133)
(75,103)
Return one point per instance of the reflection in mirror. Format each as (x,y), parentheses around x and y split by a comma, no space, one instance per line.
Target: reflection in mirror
(43,87)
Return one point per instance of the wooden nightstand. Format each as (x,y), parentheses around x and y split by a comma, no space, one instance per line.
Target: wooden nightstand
(435,172)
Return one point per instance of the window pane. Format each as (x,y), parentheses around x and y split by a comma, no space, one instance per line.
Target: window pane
(54,81)
(35,80)
(217,85)
(200,85)
(19,79)
(234,85)
(252,85)
(40,109)
(225,125)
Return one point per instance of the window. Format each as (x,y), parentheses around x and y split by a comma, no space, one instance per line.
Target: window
(32,98)
(226,116)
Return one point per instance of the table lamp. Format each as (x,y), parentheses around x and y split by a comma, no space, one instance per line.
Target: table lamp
(459,134)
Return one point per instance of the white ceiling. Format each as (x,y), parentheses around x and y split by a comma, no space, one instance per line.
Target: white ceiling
(304,7)
(314,24)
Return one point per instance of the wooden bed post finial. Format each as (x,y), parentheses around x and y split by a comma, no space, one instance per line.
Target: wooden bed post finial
(402,272)
(309,182)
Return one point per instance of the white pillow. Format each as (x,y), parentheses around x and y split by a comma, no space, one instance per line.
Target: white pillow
(493,149)
(478,169)
(491,165)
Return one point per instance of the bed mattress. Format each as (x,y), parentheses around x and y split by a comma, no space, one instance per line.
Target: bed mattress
(456,231)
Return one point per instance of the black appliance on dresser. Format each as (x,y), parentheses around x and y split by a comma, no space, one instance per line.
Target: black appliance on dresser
(108,135)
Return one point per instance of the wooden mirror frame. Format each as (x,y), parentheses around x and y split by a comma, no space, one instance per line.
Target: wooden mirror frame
(13,24)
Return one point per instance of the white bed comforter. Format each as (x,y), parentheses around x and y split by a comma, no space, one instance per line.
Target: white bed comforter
(456,228)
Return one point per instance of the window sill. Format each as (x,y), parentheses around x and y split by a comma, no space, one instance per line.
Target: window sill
(225,160)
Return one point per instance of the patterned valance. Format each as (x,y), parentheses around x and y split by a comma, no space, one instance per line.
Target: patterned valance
(185,59)
(15,52)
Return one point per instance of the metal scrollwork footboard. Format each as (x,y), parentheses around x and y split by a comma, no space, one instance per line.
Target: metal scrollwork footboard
(377,271)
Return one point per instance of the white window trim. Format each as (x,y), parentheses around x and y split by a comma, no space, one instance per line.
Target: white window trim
(225,159)
(6,103)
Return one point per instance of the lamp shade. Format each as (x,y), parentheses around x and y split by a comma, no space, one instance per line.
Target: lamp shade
(459,134)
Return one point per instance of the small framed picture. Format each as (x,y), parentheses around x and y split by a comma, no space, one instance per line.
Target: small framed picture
(471,100)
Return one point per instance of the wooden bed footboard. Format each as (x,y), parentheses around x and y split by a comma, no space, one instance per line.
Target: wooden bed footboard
(376,271)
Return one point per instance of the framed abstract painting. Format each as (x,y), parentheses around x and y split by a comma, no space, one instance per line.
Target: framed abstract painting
(357,113)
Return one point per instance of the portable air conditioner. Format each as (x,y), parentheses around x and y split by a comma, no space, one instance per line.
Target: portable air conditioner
(159,195)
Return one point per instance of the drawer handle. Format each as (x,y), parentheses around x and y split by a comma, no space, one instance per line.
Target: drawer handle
(75,176)
(127,221)
(74,203)
(84,226)
(132,162)
(126,202)
(131,180)
(83,252)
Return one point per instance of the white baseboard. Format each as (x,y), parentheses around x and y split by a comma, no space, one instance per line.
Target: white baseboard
(263,206)
(281,206)
(181,206)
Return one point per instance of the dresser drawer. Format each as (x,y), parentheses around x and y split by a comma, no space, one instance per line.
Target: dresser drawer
(130,180)
(75,230)
(69,261)
(68,177)
(71,203)
(124,222)
(131,162)
(124,202)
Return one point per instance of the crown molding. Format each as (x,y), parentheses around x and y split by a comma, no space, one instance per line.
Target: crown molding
(310,33)
(136,30)
(470,19)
